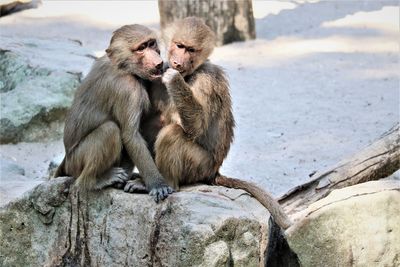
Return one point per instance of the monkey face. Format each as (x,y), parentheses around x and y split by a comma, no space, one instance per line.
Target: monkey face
(146,61)
(191,41)
(182,58)
(134,49)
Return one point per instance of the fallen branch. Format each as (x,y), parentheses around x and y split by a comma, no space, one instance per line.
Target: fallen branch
(378,160)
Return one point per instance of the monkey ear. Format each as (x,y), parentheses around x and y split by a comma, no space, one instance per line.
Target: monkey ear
(108,52)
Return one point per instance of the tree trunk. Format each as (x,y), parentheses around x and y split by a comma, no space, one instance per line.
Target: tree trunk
(378,160)
(231,20)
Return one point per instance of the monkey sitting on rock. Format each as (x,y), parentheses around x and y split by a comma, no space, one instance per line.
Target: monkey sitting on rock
(196,122)
(102,135)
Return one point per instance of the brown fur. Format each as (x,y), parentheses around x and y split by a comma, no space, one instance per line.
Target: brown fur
(102,130)
(199,123)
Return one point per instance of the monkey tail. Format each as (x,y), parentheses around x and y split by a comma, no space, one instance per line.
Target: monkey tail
(261,195)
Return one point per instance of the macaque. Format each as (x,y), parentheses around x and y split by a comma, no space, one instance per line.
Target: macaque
(102,135)
(197,123)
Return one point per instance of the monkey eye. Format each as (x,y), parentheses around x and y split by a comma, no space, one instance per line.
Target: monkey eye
(152,43)
(180,45)
(141,47)
(191,50)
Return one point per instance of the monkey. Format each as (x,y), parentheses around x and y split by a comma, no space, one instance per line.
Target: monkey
(102,137)
(197,123)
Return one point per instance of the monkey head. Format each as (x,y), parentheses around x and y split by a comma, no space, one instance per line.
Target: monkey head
(134,49)
(191,42)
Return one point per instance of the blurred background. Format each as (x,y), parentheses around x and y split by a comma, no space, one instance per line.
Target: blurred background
(311,81)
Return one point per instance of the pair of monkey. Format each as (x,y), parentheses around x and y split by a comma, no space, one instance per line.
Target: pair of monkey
(175,126)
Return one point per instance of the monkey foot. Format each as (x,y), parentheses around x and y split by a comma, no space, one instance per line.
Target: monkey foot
(135,176)
(115,177)
(135,186)
(158,193)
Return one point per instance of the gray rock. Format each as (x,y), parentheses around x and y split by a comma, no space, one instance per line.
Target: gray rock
(200,226)
(38,78)
(353,226)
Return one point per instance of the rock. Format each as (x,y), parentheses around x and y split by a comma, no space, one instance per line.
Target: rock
(38,79)
(11,6)
(353,226)
(52,225)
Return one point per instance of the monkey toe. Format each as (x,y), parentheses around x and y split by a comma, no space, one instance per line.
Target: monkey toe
(135,176)
(116,177)
(118,185)
(135,186)
(121,174)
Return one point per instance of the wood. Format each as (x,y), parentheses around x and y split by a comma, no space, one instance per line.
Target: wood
(378,160)
(231,20)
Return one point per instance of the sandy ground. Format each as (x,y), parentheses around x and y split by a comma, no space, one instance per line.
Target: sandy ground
(320,82)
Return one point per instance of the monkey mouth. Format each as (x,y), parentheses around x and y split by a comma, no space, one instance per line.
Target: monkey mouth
(181,71)
(157,73)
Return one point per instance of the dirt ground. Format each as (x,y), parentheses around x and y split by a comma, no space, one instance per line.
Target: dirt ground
(320,82)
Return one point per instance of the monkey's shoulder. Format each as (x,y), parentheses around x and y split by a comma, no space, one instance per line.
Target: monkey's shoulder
(211,80)
(210,70)
(105,78)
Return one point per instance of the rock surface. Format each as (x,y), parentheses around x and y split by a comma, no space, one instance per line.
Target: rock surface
(37,82)
(353,226)
(200,226)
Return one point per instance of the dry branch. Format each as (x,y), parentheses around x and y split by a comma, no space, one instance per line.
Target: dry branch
(378,160)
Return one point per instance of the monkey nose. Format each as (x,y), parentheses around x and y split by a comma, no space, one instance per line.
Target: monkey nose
(177,65)
(159,66)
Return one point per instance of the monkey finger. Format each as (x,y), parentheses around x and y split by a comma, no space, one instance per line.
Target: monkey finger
(170,190)
(154,194)
(167,191)
(169,75)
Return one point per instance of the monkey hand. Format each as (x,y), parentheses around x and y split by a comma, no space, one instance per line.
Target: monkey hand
(160,191)
(170,76)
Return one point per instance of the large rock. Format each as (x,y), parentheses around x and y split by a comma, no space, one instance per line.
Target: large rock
(200,226)
(38,78)
(353,226)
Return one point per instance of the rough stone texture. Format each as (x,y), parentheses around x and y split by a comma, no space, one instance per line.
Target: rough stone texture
(353,226)
(232,20)
(201,226)
(37,81)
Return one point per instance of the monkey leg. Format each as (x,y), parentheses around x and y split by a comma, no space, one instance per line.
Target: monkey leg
(180,160)
(127,163)
(93,161)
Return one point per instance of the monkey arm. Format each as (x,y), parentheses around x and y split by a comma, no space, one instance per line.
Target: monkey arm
(128,113)
(191,112)
(141,156)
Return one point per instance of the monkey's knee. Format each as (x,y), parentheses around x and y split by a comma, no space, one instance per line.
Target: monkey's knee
(181,161)
(95,154)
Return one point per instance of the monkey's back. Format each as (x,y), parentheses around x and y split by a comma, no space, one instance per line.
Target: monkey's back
(95,101)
